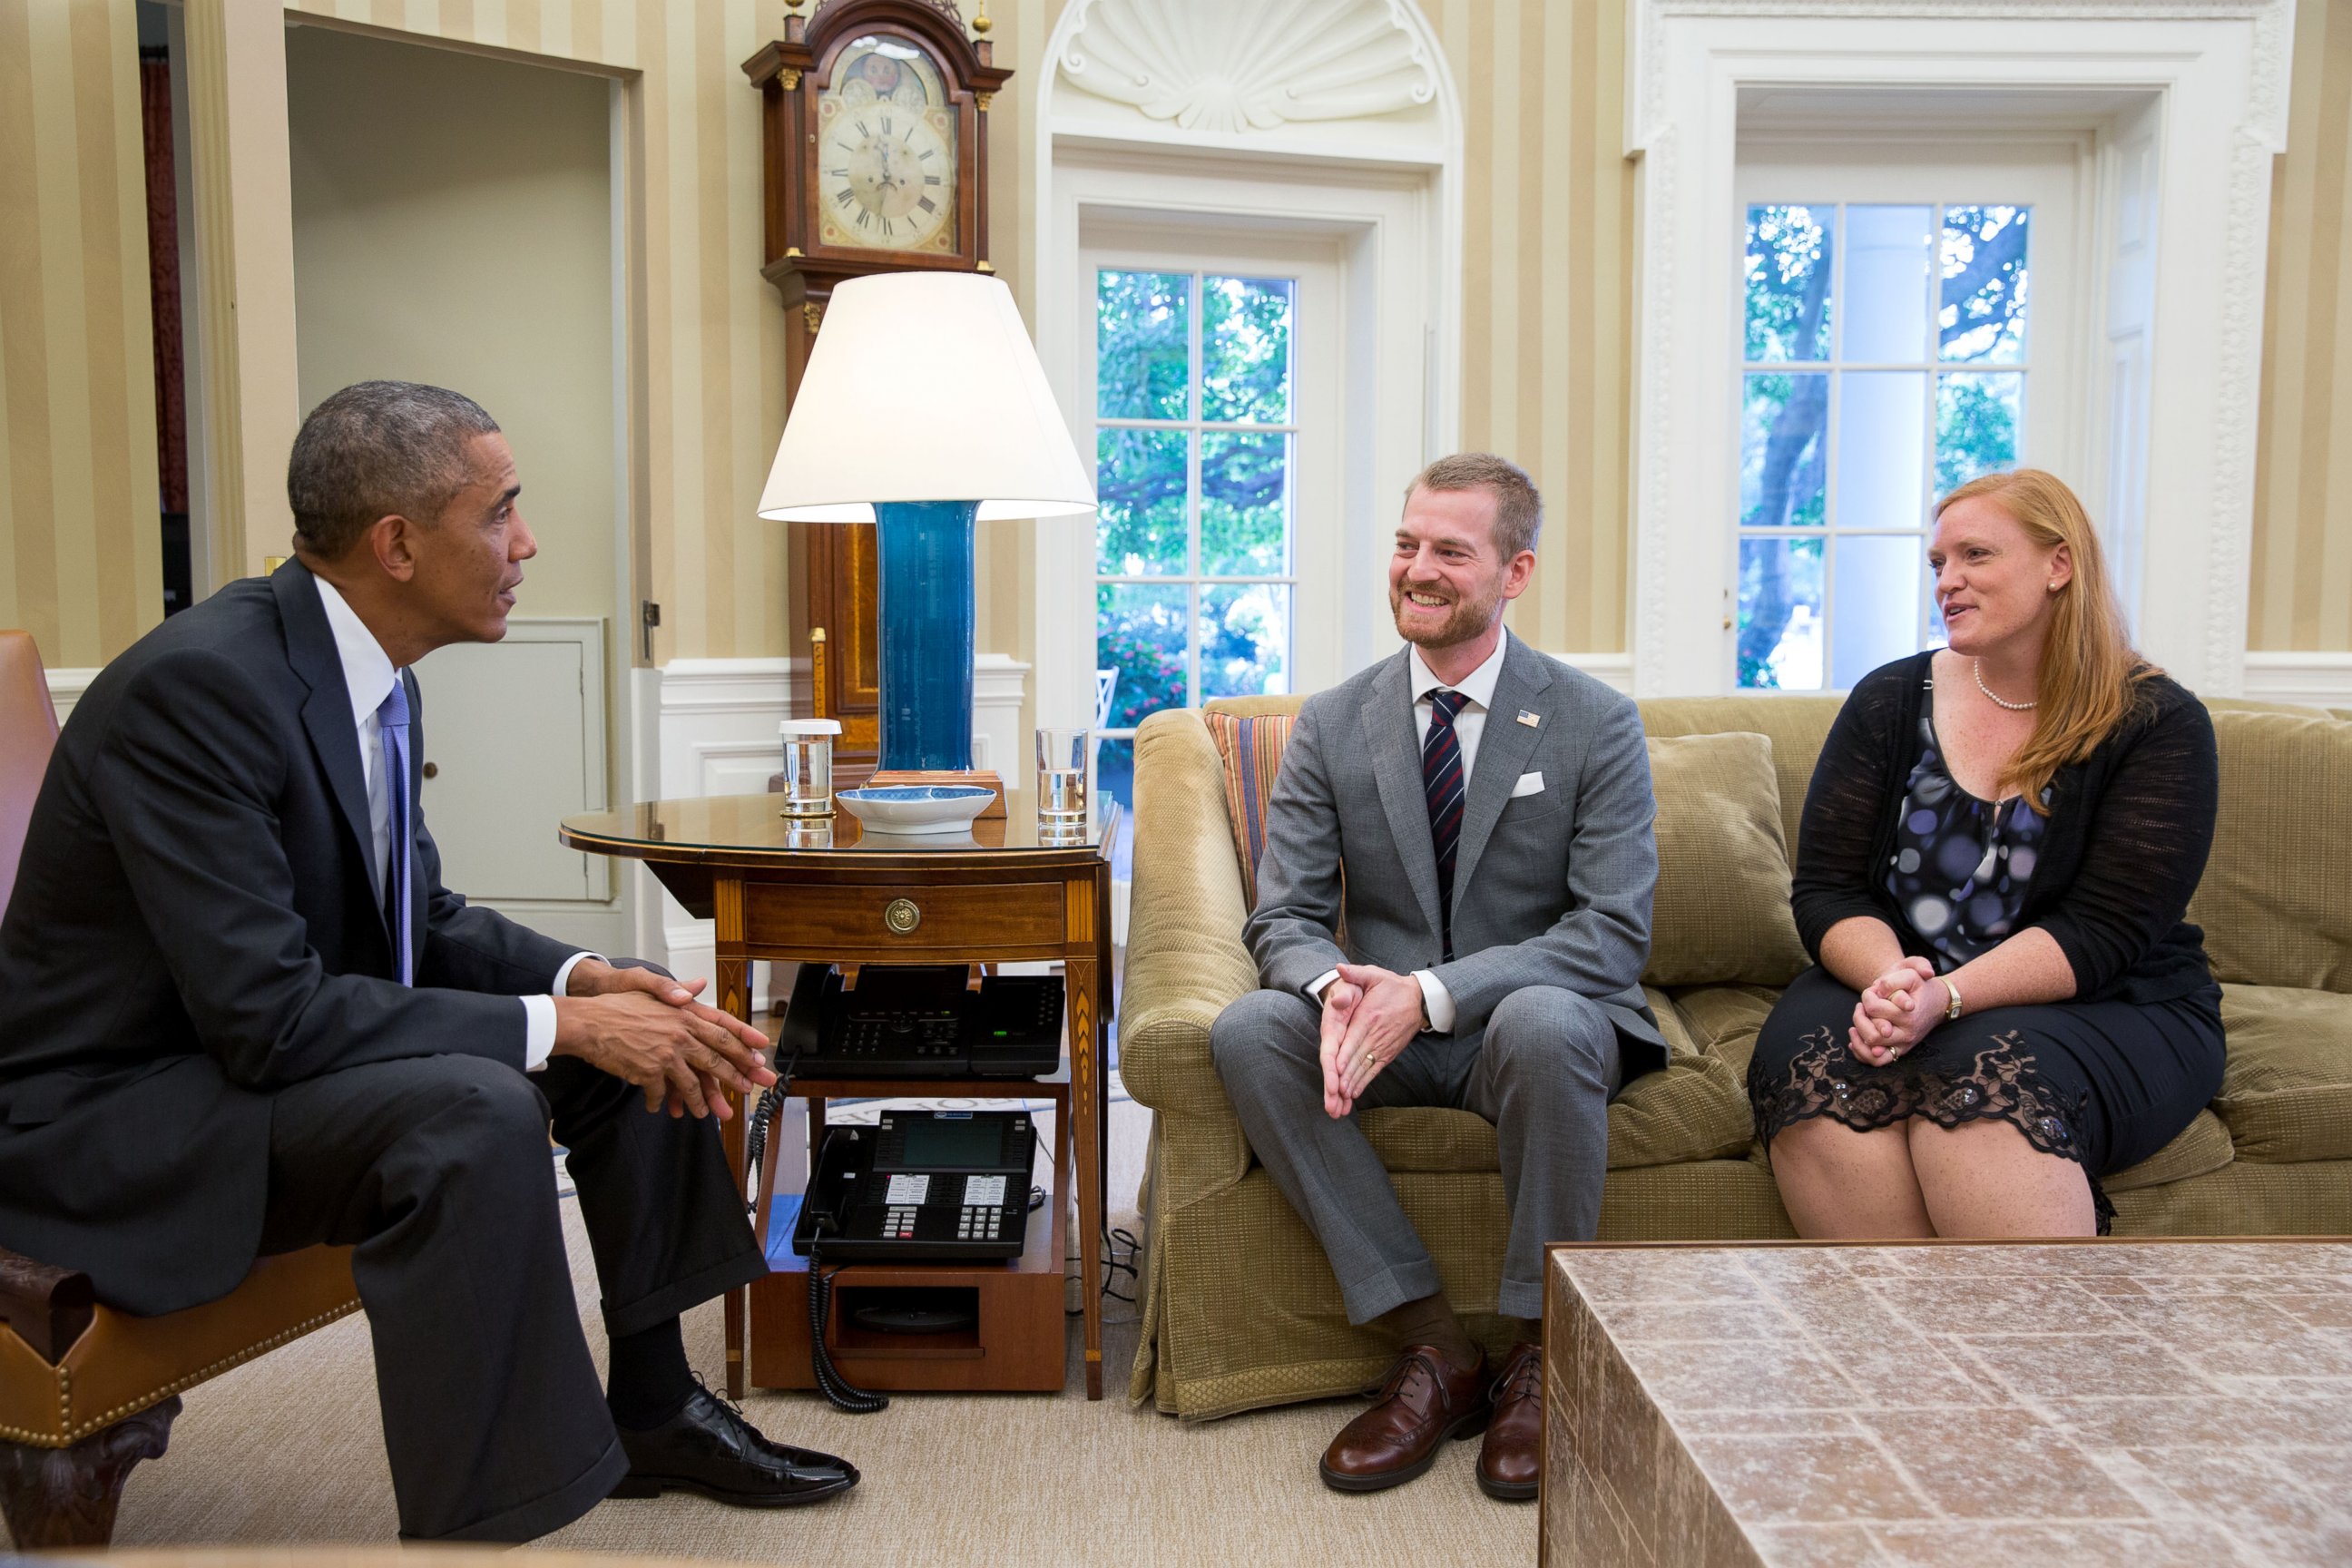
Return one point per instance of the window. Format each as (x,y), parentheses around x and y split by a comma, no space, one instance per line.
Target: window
(1885,361)
(1195,438)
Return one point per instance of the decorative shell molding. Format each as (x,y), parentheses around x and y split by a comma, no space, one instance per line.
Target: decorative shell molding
(1237,66)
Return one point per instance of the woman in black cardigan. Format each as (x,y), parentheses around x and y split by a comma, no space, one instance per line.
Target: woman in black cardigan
(1998,844)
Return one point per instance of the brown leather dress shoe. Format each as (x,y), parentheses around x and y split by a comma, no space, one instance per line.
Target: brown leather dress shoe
(1511,1459)
(1425,1400)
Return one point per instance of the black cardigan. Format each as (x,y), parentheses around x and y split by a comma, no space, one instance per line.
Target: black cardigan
(2130,828)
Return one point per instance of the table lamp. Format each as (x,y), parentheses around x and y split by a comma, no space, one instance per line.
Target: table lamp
(924,410)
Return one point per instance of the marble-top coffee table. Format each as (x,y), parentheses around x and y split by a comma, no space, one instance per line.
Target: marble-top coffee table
(2136,1403)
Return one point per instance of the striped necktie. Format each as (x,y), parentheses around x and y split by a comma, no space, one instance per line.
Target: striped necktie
(1442,783)
(392,721)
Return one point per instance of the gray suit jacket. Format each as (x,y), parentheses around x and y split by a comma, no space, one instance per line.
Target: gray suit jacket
(1549,889)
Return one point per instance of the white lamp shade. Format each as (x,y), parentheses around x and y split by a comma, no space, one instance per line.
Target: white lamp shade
(923,386)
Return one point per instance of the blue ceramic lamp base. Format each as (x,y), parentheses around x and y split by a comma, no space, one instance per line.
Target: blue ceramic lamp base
(927,613)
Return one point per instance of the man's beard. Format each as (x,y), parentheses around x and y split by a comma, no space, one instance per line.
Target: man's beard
(1469,619)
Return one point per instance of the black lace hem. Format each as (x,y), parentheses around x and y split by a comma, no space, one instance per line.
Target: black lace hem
(1826,1078)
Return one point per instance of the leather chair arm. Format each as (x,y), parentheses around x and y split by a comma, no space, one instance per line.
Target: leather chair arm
(48,1308)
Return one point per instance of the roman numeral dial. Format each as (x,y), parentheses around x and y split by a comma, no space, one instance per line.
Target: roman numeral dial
(886,152)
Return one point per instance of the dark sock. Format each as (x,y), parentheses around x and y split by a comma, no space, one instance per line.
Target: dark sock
(1524,1331)
(650,1381)
(1430,1321)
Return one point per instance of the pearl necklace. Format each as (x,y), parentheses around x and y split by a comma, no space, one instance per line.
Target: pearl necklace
(1976,667)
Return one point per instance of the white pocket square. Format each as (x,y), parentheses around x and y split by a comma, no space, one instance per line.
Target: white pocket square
(1529,783)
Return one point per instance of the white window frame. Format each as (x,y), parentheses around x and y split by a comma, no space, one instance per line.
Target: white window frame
(1374,222)
(1317,373)
(2216,73)
(2053,176)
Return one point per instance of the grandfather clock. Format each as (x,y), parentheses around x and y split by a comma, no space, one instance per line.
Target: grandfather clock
(874,147)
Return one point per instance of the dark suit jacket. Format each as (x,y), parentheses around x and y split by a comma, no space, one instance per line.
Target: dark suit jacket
(196,924)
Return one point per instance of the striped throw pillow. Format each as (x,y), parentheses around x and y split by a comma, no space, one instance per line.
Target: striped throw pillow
(1252,749)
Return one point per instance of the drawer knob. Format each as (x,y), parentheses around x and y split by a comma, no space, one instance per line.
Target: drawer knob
(902,916)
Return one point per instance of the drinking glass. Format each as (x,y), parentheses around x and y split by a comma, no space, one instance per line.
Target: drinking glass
(1062,779)
(808,766)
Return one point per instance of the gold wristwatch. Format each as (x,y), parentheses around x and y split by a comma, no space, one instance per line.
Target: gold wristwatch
(1951,1007)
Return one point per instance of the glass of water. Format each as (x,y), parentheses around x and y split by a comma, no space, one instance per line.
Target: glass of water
(1061,756)
(808,766)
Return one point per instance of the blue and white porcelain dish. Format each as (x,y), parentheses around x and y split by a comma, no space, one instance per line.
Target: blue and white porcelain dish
(917,808)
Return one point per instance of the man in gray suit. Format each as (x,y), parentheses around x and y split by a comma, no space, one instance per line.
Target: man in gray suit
(1480,814)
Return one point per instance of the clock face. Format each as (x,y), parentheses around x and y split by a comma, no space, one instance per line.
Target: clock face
(886,155)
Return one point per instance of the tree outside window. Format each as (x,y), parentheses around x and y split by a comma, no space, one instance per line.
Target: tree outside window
(1195,443)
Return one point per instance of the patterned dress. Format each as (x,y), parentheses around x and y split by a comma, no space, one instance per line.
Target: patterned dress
(2104,1083)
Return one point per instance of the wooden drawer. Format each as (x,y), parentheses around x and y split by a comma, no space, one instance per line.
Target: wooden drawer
(877,921)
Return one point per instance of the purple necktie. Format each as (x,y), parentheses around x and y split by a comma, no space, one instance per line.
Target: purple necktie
(392,719)
(1442,782)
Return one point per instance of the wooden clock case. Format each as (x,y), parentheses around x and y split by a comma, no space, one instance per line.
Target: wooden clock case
(834,591)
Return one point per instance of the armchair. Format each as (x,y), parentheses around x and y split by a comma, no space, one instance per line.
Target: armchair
(87,1391)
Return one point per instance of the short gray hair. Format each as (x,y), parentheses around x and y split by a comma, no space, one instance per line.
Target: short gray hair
(1519,508)
(374,448)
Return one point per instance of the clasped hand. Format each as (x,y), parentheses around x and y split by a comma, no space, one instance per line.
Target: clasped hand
(1896,1011)
(1370,1015)
(647,1029)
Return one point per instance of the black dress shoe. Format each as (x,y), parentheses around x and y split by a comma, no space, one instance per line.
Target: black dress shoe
(710,1447)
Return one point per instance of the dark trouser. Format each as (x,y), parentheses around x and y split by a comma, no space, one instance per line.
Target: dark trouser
(1542,1070)
(436,1170)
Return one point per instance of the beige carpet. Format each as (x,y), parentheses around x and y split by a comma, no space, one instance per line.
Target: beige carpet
(289,1449)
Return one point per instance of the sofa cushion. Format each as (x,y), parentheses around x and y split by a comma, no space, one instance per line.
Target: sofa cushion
(2286,1086)
(2203,1147)
(2271,901)
(1250,745)
(1723,1020)
(1796,724)
(1721,913)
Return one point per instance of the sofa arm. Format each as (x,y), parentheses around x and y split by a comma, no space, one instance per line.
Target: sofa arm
(1185,961)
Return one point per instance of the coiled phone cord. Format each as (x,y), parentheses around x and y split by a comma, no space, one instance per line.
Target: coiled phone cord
(838,1390)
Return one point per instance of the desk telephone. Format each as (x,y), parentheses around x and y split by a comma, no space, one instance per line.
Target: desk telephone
(921,1021)
(921,1187)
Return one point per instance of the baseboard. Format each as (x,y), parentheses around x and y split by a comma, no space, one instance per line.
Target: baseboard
(2312,678)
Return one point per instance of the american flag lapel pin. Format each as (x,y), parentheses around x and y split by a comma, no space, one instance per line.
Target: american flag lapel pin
(1530,718)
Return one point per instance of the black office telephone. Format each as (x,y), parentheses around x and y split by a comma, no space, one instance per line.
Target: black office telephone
(921,1187)
(921,1021)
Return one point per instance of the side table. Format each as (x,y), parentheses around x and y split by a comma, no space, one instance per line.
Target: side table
(779,889)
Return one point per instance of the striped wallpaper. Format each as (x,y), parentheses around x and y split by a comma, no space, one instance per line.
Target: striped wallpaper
(80,562)
(1547,277)
(1547,352)
(2301,597)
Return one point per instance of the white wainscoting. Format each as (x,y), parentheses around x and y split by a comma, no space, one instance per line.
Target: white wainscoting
(715,720)
(66,687)
(2316,679)
(1616,668)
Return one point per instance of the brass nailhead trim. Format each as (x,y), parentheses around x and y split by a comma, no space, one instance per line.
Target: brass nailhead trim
(72,1435)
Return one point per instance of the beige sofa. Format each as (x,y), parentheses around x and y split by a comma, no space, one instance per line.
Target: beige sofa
(1239,1311)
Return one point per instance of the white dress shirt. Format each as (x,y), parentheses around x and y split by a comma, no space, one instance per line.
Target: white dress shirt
(1469,724)
(369,675)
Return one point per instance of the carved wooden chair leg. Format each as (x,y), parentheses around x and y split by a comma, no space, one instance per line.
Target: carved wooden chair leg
(66,1496)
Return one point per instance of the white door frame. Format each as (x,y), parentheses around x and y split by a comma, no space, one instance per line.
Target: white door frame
(2220,70)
